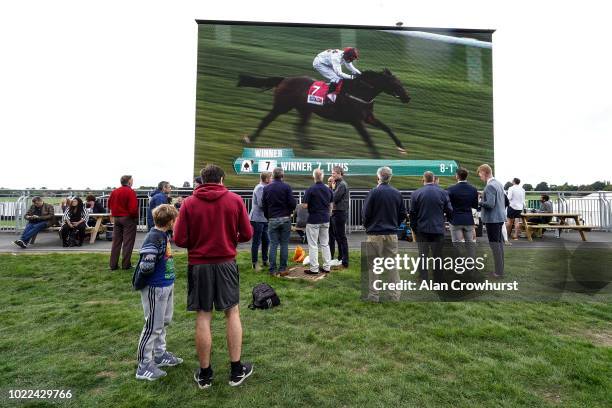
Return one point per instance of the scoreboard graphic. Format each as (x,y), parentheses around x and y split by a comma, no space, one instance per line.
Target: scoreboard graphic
(255,161)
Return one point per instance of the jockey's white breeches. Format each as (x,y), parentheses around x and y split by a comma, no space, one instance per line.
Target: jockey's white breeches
(325,70)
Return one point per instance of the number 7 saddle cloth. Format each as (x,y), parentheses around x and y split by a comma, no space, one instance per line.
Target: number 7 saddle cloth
(319,90)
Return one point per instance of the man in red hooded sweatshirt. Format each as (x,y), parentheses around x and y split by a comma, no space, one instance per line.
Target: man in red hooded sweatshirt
(210,225)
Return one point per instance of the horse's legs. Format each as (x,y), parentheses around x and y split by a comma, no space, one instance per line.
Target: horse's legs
(262,125)
(366,138)
(301,129)
(378,124)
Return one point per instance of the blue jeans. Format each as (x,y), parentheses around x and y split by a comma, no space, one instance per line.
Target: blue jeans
(260,236)
(32,229)
(279,230)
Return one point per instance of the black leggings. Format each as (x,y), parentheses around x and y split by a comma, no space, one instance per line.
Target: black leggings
(79,232)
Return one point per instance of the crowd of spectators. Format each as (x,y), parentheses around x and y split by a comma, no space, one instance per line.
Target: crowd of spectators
(274,208)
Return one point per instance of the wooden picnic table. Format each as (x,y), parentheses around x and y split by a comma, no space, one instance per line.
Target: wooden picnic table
(99,217)
(562,225)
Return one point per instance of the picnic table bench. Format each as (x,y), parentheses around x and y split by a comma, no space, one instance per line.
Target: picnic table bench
(93,231)
(531,228)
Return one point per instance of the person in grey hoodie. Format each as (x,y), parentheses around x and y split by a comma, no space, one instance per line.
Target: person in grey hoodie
(493,215)
(259,223)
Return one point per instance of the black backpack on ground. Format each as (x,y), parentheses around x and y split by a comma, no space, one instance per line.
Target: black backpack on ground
(264,297)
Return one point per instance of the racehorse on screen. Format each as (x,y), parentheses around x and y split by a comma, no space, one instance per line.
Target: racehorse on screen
(354,104)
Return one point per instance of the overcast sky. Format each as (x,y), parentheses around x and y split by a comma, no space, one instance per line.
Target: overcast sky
(90,91)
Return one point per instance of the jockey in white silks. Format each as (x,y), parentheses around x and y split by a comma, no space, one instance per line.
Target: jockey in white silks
(329,64)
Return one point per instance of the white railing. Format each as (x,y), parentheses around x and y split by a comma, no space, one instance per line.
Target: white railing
(595,208)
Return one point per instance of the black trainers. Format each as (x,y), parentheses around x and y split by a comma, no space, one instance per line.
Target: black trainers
(203,382)
(237,379)
(20,244)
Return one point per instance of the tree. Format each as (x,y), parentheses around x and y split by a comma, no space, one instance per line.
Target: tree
(43,188)
(186,184)
(507,185)
(542,186)
(566,187)
(528,187)
(598,186)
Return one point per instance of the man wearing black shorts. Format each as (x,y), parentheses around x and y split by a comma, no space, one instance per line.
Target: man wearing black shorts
(211,222)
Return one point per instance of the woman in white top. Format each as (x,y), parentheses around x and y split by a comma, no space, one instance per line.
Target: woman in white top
(74,223)
(516,197)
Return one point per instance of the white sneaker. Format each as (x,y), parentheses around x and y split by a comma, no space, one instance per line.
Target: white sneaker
(150,372)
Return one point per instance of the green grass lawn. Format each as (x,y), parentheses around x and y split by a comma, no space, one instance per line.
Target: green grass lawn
(68,323)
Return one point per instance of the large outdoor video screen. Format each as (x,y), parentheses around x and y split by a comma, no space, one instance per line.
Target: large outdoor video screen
(422,100)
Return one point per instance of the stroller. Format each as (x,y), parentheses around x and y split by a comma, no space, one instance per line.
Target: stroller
(301,219)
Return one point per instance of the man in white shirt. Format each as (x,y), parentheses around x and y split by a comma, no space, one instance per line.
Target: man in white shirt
(516,197)
(329,64)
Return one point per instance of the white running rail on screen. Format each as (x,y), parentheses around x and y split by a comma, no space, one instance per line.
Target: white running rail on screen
(471,42)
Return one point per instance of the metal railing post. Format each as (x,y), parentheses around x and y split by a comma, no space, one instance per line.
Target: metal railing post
(601,205)
(350,214)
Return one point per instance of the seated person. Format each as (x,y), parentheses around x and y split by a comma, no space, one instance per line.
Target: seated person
(39,216)
(546,206)
(74,222)
(66,203)
(94,206)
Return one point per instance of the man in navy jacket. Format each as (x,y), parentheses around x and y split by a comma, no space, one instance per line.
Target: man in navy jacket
(463,197)
(428,205)
(383,212)
(278,204)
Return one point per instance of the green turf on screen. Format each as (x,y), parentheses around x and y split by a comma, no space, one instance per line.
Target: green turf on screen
(449,116)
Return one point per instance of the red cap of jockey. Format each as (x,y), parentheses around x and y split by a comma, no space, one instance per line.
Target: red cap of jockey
(350,54)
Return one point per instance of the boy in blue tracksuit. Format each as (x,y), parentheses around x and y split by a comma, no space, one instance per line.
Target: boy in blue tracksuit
(154,277)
